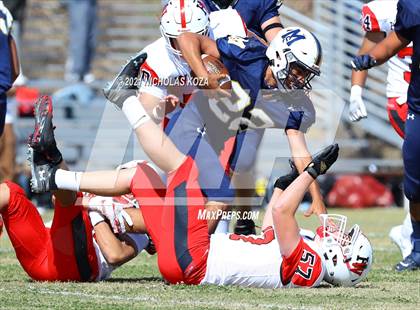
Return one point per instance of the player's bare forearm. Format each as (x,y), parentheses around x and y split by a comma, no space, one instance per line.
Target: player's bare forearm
(389,47)
(369,42)
(138,227)
(302,158)
(284,210)
(114,250)
(272,33)
(192,46)
(268,216)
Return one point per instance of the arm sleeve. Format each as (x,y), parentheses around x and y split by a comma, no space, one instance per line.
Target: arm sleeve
(406,21)
(269,9)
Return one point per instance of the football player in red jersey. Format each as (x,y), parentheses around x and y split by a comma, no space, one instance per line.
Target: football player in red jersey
(80,245)
(170,213)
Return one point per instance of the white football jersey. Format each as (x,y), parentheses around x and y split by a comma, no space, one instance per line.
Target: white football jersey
(256,261)
(163,68)
(380,16)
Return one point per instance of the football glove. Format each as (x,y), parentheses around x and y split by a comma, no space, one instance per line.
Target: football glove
(284,181)
(323,161)
(114,212)
(357,109)
(363,62)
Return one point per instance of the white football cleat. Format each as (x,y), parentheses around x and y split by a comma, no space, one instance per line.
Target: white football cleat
(400,240)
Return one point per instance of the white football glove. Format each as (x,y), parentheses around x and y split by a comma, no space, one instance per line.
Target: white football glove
(113,211)
(357,109)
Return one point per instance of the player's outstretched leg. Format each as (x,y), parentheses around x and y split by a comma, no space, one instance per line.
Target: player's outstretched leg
(126,82)
(42,139)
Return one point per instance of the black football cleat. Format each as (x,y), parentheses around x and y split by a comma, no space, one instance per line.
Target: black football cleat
(245,227)
(43,172)
(126,83)
(408,264)
(43,140)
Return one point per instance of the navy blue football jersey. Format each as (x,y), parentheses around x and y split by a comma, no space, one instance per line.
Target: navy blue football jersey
(253,12)
(408,26)
(5,64)
(246,61)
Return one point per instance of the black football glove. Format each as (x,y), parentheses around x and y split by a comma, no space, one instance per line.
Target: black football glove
(323,161)
(284,181)
(363,62)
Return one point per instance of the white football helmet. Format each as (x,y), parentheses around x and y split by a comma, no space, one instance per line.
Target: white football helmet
(295,48)
(348,255)
(180,16)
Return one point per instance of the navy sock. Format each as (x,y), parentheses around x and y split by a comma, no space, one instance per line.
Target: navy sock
(415,238)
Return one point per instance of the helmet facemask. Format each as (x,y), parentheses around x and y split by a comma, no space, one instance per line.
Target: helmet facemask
(296,74)
(348,255)
(224,4)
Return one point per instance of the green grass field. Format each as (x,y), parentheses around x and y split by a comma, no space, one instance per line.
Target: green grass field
(138,284)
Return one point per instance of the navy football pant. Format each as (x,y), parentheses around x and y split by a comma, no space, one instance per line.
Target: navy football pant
(3,109)
(411,156)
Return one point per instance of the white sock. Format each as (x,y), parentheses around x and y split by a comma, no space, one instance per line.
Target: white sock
(135,112)
(222,227)
(407,227)
(68,180)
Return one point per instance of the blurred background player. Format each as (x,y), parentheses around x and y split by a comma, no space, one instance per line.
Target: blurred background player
(83,21)
(9,64)
(378,20)
(18,10)
(8,148)
(407,29)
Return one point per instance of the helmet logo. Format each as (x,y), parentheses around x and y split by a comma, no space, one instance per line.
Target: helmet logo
(293,36)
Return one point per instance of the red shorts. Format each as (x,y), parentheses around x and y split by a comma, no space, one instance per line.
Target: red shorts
(63,253)
(171,214)
(397,115)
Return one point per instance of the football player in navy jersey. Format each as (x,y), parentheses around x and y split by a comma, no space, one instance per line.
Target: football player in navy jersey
(252,67)
(9,66)
(407,29)
(261,17)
